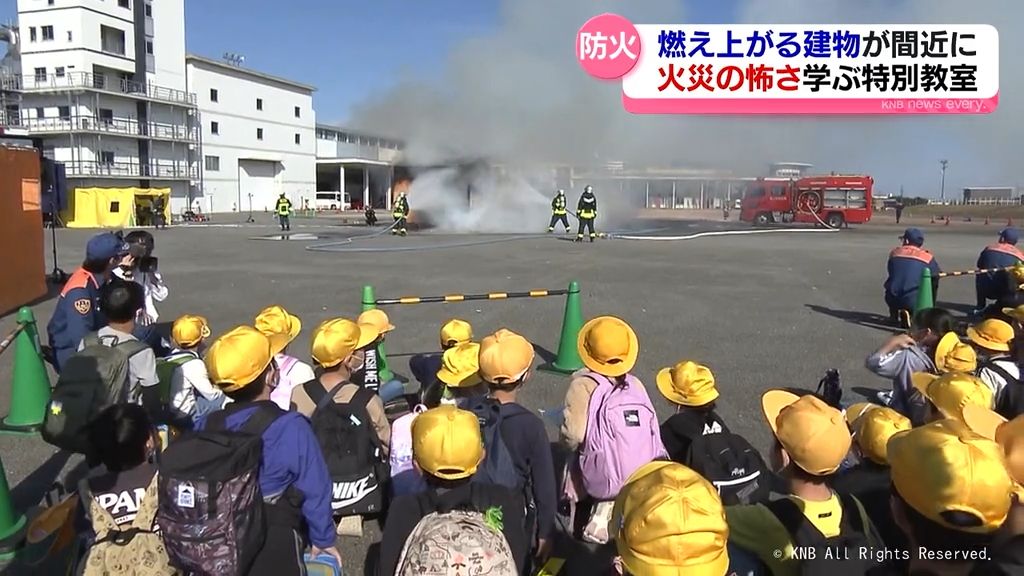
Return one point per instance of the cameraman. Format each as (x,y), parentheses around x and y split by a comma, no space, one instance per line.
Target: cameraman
(143,270)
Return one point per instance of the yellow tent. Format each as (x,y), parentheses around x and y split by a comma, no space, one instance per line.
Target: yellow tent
(113,207)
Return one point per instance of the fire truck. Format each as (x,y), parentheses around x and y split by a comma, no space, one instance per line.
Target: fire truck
(833,200)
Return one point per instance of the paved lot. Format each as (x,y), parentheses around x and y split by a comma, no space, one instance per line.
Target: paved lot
(760,310)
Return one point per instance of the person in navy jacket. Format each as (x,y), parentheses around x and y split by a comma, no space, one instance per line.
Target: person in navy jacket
(906,263)
(1002,254)
(77,312)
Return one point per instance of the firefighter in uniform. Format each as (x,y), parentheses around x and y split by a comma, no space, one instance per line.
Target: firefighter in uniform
(1002,254)
(906,263)
(283,210)
(558,212)
(77,312)
(400,211)
(586,212)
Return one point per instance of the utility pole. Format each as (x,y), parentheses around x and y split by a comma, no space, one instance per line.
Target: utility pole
(942,185)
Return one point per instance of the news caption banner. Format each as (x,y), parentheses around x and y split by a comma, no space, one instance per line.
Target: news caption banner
(794,69)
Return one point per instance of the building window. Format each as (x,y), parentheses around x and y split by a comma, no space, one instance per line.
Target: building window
(106,116)
(47,33)
(214,127)
(213,95)
(124,3)
(213,163)
(50,2)
(40,113)
(259,133)
(298,139)
(149,47)
(149,10)
(40,74)
(298,112)
(106,157)
(112,40)
(64,112)
(58,71)
(32,34)
(259,103)
(69,36)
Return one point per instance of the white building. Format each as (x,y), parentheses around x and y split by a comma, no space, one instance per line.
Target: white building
(258,137)
(354,169)
(102,87)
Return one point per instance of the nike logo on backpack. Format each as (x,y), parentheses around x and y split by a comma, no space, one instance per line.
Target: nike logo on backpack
(345,494)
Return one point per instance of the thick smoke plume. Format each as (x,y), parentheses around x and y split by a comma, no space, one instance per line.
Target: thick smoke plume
(518,97)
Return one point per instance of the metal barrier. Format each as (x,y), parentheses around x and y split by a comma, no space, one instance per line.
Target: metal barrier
(468,297)
(973,272)
(9,339)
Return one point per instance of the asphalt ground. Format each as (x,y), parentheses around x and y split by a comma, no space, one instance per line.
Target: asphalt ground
(762,311)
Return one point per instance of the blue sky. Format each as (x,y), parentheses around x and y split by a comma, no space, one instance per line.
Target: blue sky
(350,51)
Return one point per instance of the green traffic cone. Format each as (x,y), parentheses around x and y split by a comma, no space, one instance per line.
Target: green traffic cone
(383,372)
(568,359)
(12,524)
(30,388)
(369,300)
(924,292)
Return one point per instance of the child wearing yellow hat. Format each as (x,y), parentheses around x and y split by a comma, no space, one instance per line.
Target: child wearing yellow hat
(994,341)
(459,375)
(282,327)
(424,367)
(690,387)
(191,393)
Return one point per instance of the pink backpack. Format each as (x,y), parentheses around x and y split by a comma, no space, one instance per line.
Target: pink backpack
(282,395)
(622,435)
(404,478)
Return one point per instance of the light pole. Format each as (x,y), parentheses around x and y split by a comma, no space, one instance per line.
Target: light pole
(250,220)
(942,184)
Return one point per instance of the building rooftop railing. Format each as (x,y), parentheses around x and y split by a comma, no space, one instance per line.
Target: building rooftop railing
(121,169)
(122,126)
(97,82)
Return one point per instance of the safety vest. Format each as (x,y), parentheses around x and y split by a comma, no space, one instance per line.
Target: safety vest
(558,205)
(1009,249)
(283,206)
(913,253)
(401,208)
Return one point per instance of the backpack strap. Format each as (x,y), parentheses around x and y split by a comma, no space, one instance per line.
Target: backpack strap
(265,413)
(131,347)
(854,514)
(991,365)
(792,518)
(91,339)
(146,514)
(321,397)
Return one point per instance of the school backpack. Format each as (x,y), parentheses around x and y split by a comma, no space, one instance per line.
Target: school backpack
(735,468)
(351,450)
(133,550)
(92,380)
(498,466)
(821,556)
(211,512)
(458,541)
(165,368)
(622,435)
(404,477)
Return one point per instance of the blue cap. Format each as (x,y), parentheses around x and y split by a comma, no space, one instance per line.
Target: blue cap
(1009,235)
(913,236)
(105,246)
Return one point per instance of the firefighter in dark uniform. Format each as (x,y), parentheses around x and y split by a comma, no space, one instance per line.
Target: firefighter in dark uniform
(284,210)
(906,263)
(1002,254)
(77,312)
(400,211)
(558,212)
(586,212)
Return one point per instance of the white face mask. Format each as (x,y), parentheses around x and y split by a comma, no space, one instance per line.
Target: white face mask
(356,363)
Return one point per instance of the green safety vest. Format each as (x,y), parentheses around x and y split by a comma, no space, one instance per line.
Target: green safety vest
(558,205)
(283,206)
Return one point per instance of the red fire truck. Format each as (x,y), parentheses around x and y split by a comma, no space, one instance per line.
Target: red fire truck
(834,200)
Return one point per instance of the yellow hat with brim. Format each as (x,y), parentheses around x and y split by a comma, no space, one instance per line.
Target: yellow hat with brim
(814,434)
(608,345)
(1015,313)
(1008,434)
(446,442)
(687,384)
(455,332)
(189,330)
(950,392)
(857,410)
(991,334)
(669,521)
(505,357)
(460,367)
(945,467)
(873,429)
(952,355)
(377,318)
(279,326)
(336,339)
(238,357)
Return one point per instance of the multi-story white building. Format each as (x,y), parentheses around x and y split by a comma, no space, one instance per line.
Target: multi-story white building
(102,87)
(258,137)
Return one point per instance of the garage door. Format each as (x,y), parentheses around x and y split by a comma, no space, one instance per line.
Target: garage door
(257,177)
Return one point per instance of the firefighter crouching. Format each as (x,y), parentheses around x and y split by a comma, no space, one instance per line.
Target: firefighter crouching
(1003,254)
(400,211)
(906,263)
(558,212)
(586,212)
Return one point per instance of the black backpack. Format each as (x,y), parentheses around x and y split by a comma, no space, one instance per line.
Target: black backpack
(354,456)
(211,512)
(729,462)
(498,467)
(821,556)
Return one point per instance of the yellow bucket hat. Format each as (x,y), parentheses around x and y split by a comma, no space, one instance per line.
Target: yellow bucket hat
(687,384)
(189,330)
(238,357)
(460,366)
(669,521)
(1015,313)
(951,392)
(991,334)
(279,326)
(608,346)
(952,355)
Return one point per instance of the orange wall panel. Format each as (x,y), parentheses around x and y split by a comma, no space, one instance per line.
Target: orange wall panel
(22,275)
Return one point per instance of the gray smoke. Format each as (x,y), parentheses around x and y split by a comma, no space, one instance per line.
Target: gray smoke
(518,97)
